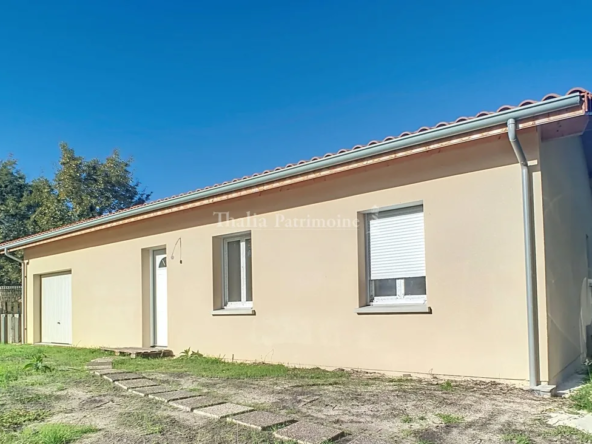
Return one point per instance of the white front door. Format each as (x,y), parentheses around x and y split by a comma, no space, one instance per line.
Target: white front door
(56,309)
(160,328)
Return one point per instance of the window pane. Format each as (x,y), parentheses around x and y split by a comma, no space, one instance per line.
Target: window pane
(385,287)
(415,286)
(233,277)
(248,269)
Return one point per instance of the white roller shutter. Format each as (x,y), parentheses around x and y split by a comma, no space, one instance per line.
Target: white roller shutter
(397,244)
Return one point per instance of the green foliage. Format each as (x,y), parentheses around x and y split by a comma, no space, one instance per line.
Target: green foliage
(80,189)
(188,353)
(47,209)
(571,432)
(406,419)
(450,419)
(48,434)
(582,397)
(37,364)
(219,368)
(13,189)
(69,360)
(516,438)
(16,418)
(447,386)
(149,422)
(92,188)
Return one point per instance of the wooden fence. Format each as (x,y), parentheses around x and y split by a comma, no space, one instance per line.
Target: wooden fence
(10,315)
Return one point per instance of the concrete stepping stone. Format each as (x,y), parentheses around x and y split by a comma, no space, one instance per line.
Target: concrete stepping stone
(190,404)
(113,377)
(223,410)
(368,440)
(308,433)
(101,361)
(98,365)
(107,371)
(146,391)
(136,383)
(95,368)
(172,396)
(262,420)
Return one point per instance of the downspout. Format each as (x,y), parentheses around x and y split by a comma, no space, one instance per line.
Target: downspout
(533,349)
(23,308)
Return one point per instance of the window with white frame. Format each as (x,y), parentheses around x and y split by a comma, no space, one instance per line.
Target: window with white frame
(396,256)
(236,256)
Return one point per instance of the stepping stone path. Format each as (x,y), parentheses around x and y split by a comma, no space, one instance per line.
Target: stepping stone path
(308,433)
(106,371)
(172,396)
(113,377)
(190,404)
(285,428)
(136,383)
(262,420)
(223,410)
(145,391)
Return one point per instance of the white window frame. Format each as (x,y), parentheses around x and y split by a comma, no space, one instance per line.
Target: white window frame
(243,271)
(398,300)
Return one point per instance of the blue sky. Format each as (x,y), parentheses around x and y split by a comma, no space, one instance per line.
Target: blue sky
(202,92)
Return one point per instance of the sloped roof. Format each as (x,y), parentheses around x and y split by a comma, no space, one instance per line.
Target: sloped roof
(586,97)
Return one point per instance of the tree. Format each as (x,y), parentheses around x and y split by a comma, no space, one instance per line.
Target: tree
(46,209)
(92,188)
(81,189)
(13,215)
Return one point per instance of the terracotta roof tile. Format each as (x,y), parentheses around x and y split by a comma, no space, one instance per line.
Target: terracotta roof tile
(587,95)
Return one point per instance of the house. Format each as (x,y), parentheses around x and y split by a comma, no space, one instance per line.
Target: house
(463,250)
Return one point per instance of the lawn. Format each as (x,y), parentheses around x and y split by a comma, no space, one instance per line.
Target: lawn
(56,401)
(28,396)
(68,360)
(209,367)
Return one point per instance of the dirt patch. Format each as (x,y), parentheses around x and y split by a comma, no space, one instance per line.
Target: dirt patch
(394,410)
(397,410)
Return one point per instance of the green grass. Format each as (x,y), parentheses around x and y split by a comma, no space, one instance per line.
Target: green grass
(219,368)
(582,398)
(406,419)
(16,418)
(148,421)
(566,431)
(67,361)
(516,438)
(47,434)
(450,419)
(447,386)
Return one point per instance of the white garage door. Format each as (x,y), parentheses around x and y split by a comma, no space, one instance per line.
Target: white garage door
(56,309)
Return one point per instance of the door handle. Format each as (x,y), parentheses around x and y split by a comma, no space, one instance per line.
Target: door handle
(59,323)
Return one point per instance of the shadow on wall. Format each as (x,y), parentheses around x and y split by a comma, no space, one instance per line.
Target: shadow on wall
(586,319)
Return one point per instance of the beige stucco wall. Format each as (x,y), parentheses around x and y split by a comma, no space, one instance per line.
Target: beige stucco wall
(305,281)
(567,205)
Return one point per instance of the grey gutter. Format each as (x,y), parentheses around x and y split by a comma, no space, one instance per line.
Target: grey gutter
(529,263)
(14,258)
(475,124)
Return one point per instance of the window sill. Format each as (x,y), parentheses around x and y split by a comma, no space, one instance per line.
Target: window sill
(394,309)
(233,312)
